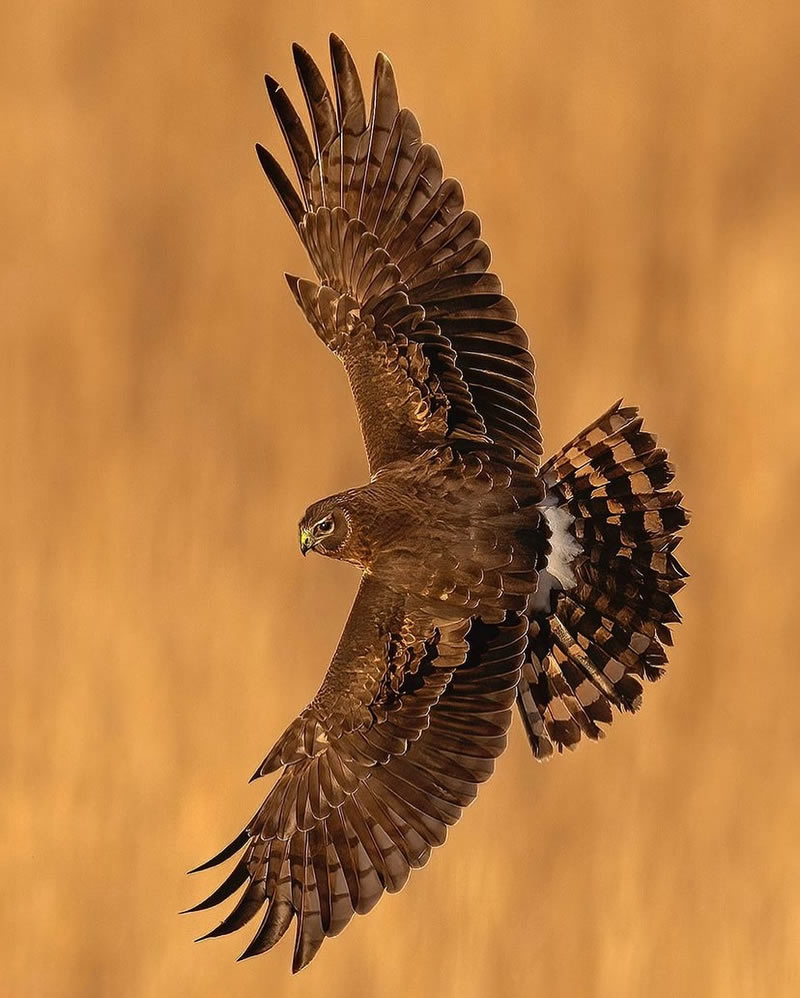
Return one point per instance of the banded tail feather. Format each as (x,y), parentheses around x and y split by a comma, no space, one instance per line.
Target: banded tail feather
(601,616)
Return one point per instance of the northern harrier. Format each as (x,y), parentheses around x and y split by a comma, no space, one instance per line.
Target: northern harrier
(488,578)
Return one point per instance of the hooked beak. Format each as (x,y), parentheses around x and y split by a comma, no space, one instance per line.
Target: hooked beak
(306,542)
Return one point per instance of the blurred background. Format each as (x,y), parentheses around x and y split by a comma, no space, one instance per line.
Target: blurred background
(166,416)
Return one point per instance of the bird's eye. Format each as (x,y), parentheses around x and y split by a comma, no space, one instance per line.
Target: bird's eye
(325,526)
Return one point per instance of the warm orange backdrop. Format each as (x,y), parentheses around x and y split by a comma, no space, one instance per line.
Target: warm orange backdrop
(165,417)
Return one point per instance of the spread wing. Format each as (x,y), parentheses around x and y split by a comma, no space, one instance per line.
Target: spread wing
(430,343)
(408,722)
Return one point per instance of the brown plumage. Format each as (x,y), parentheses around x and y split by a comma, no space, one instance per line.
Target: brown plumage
(486,579)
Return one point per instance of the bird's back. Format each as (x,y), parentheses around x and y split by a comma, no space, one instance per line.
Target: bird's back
(460,527)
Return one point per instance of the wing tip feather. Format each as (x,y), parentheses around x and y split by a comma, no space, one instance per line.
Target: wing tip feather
(281,184)
(232,847)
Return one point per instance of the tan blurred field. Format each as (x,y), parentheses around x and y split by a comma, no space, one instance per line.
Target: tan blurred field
(166,416)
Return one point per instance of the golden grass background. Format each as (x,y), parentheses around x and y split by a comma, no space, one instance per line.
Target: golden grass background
(166,416)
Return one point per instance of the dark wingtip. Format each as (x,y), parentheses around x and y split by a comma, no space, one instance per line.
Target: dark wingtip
(281,184)
(271,84)
(250,950)
(232,883)
(383,62)
(349,93)
(218,930)
(294,287)
(263,155)
(273,760)
(300,961)
(339,50)
(223,854)
(211,934)
(304,950)
(301,56)
(340,53)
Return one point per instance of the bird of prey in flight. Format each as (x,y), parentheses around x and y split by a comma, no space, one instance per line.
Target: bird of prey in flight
(488,578)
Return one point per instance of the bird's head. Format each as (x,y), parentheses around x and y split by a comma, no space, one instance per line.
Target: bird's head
(326,527)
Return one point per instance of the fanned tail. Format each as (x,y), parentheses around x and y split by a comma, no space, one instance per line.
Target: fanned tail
(603,608)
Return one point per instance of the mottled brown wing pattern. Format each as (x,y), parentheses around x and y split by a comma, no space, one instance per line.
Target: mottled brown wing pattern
(405,727)
(405,402)
(384,228)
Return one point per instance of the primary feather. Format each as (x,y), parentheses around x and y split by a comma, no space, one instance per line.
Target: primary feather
(385,231)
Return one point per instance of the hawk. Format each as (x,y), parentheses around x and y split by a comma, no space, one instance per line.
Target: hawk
(488,578)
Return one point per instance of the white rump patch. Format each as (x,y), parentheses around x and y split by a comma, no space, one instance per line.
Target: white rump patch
(564,550)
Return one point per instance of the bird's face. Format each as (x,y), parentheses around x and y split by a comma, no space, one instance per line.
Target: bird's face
(325,528)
